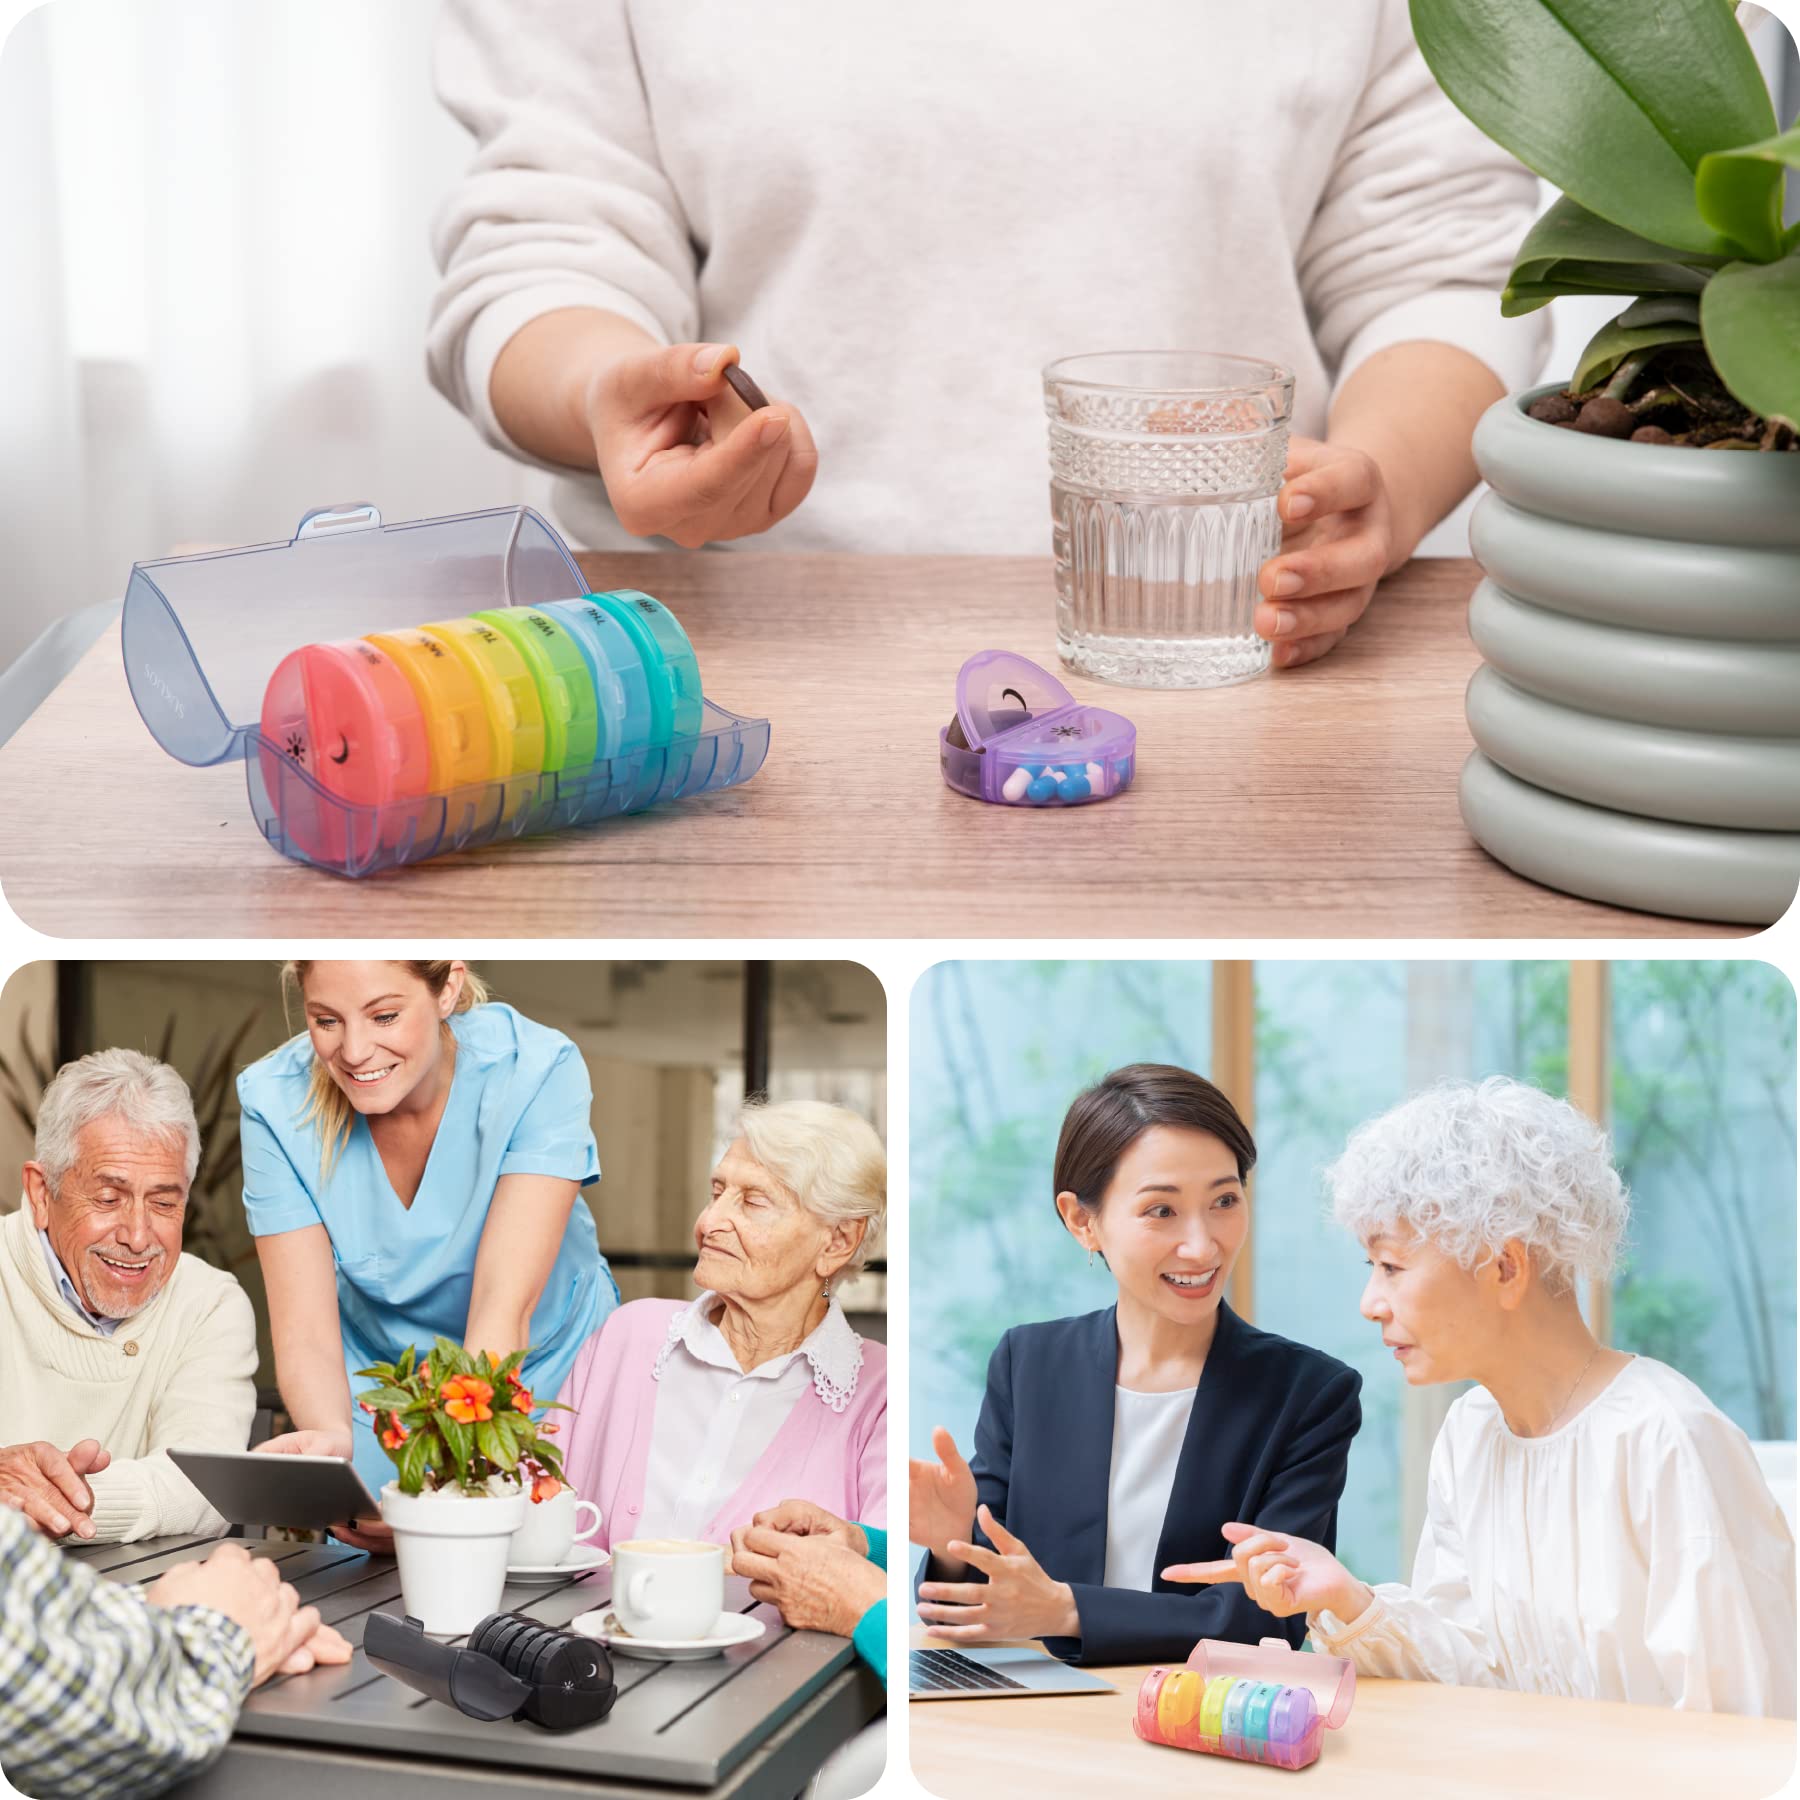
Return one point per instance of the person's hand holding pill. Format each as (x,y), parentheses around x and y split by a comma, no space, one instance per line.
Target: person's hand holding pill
(1339,540)
(685,451)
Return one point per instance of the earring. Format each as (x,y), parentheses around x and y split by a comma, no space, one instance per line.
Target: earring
(1090,1258)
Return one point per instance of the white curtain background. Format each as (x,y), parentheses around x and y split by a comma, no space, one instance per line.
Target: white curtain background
(216,271)
(213,226)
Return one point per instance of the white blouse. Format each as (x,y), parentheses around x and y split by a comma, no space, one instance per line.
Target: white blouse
(1148,1430)
(1635,1554)
(713,1420)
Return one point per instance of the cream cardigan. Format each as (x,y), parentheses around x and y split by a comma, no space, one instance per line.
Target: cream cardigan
(180,1373)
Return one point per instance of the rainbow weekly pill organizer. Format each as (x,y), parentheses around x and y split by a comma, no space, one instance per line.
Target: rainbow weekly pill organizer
(399,691)
(1263,1703)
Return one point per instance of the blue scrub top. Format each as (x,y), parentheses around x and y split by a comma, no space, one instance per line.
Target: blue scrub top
(519,1100)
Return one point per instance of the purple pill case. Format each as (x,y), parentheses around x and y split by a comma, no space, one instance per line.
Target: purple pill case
(1027,741)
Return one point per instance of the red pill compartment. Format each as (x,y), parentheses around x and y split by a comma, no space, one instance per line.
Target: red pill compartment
(346,714)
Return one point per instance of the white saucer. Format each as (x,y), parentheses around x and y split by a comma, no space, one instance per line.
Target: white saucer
(583,1559)
(733,1629)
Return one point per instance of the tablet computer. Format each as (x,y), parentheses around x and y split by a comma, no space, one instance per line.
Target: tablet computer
(250,1488)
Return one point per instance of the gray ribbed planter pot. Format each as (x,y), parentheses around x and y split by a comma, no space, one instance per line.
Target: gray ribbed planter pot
(1637,718)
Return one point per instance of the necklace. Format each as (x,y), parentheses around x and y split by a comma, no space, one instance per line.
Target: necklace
(1571,1395)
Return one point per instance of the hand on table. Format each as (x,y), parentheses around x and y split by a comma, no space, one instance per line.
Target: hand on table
(1283,1574)
(289,1638)
(360,1534)
(1340,539)
(940,1497)
(816,1582)
(683,457)
(1018,1600)
(46,1485)
(801,1518)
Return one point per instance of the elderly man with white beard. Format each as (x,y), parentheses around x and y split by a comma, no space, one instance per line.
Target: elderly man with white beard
(114,1345)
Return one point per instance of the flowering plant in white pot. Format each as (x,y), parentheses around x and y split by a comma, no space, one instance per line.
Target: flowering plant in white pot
(468,1454)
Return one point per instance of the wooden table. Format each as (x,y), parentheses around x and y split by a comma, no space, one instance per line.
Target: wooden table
(1402,1738)
(755,1722)
(1319,803)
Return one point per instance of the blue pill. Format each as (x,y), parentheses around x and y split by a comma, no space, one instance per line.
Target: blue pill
(1076,788)
(1042,789)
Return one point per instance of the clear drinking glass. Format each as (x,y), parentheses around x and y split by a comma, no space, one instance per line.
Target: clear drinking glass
(1164,466)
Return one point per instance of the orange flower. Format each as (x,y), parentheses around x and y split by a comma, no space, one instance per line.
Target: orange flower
(548,1430)
(522,1399)
(546,1487)
(366,1408)
(466,1398)
(396,1433)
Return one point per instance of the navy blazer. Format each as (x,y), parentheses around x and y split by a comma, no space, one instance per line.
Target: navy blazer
(1268,1442)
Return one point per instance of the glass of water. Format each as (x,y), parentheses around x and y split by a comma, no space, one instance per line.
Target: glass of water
(1164,467)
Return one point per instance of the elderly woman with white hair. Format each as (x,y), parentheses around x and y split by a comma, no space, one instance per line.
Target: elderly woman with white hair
(692,1417)
(1595,1526)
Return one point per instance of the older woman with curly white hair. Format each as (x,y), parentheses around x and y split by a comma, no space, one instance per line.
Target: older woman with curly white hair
(1595,1526)
(692,1417)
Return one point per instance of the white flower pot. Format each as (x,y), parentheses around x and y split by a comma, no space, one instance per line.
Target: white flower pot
(452,1552)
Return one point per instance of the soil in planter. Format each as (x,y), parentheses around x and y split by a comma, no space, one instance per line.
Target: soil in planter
(1674,397)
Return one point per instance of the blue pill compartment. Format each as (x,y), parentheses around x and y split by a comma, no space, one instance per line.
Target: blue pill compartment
(202,634)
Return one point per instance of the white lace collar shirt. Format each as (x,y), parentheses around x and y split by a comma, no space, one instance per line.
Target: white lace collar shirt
(714,1420)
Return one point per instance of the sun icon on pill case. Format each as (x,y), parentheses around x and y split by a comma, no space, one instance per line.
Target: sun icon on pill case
(296,746)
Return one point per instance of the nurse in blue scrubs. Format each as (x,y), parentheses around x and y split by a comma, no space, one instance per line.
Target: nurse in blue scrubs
(412,1166)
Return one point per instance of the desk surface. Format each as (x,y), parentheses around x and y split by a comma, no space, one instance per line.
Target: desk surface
(1316,803)
(755,1721)
(1402,1737)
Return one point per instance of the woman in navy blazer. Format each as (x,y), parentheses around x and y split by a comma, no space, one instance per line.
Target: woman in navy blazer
(1115,1444)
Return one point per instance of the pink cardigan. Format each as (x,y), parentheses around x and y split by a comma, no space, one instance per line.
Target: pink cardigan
(838,1460)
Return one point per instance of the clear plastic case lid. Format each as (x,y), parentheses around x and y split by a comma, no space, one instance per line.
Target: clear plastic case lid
(1331,1680)
(203,634)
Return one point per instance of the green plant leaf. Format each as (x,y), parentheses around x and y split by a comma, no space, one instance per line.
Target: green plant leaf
(378,1372)
(407,1363)
(1570,250)
(1739,191)
(411,1461)
(459,1440)
(1614,105)
(1750,314)
(509,1365)
(387,1399)
(1618,339)
(496,1446)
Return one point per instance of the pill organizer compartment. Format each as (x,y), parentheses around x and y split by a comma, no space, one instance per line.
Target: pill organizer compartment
(1265,1703)
(1025,741)
(203,635)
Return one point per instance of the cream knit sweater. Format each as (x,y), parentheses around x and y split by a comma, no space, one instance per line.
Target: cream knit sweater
(900,213)
(180,1373)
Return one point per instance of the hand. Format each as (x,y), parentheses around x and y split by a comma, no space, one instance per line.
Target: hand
(683,457)
(1340,539)
(335,1442)
(38,1480)
(815,1582)
(1018,1600)
(1283,1574)
(366,1534)
(801,1518)
(940,1497)
(288,1638)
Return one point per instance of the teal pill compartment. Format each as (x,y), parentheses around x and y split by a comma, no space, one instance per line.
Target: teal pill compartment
(675,698)
(203,635)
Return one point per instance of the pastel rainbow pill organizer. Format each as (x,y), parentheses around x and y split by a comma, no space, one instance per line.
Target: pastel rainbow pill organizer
(1268,1703)
(399,691)
(1020,738)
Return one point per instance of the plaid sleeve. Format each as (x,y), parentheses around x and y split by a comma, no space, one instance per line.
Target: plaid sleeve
(102,1695)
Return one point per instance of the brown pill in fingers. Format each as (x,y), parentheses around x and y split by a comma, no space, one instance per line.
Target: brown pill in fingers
(745,389)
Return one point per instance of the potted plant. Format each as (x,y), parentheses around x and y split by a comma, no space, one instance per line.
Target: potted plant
(1637,717)
(469,1457)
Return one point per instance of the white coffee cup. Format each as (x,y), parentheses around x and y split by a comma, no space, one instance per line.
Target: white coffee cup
(551,1528)
(668,1587)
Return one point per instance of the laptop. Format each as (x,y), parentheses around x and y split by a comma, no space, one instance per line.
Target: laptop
(995,1675)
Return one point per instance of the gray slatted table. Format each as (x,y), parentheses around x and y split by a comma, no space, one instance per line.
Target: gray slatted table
(755,1722)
